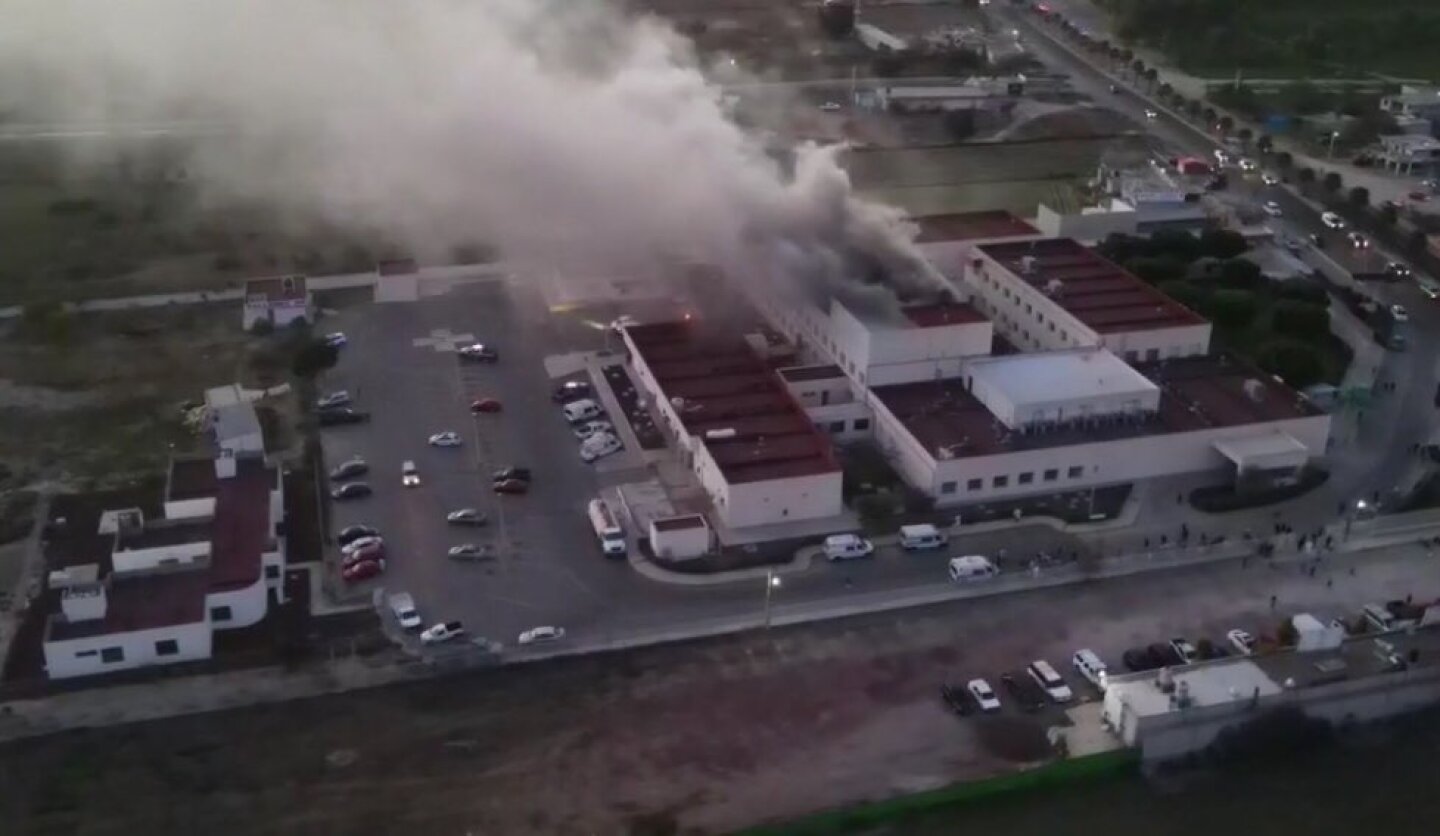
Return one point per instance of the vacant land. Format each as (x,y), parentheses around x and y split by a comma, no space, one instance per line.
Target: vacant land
(1285,38)
(94,397)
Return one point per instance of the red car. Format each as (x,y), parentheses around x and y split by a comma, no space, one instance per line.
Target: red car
(485,405)
(364,570)
(375,551)
(1419,197)
(512,486)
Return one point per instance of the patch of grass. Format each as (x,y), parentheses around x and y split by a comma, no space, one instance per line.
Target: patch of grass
(17,515)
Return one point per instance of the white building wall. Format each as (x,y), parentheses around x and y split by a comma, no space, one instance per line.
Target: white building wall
(275,559)
(199,508)
(822,392)
(247,606)
(140,560)
(1099,463)
(1023,314)
(843,422)
(906,454)
(783,500)
(680,543)
(1180,341)
(849,343)
(82,657)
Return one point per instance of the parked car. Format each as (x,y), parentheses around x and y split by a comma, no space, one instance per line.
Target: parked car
(485,405)
(1429,287)
(538,635)
(1151,114)
(1399,314)
(511,472)
(352,533)
(957,700)
(1396,270)
(442,632)
(830,107)
(445,439)
(402,606)
(1358,241)
(374,551)
(1029,695)
(1044,675)
(466,516)
(334,399)
(349,469)
(478,353)
(571,390)
(1089,666)
(1243,642)
(984,695)
(1165,655)
(362,571)
(1269,179)
(511,486)
(351,490)
(1332,220)
(1247,164)
(360,543)
(599,446)
(409,474)
(336,340)
(472,551)
(339,416)
(1272,209)
(1138,659)
(589,428)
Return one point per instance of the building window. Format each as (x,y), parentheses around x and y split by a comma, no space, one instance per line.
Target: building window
(947,487)
(1000,482)
(862,423)
(272,572)
(1051,475)
(975,485)
(837,426)
(112,654)
(219,613)
(167,647)
(1027,478)
(1075,472)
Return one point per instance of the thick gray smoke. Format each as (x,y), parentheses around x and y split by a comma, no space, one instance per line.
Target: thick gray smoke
(558,131)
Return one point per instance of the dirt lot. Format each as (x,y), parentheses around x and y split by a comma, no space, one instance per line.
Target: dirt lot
(699,738)
(96,396)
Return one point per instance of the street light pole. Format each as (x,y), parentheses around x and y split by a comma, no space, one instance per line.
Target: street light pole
(1334,135)
(1350,517)
(772,582)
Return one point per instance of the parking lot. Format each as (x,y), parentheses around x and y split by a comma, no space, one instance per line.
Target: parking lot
(400,366)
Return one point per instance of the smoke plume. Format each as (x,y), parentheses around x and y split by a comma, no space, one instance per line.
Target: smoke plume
(561,132)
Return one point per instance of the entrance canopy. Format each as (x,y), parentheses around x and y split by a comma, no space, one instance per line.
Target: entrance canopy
(1271,451)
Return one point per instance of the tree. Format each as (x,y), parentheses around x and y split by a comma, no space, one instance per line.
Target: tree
(1232,310)
(1265,142)
(1245,134)
(1209,115)
(1152,75)
(1388,213)
(1359,197)
(1227,124)
(1222,243)
(837,18)
(314,357)
(1296,362)
(1306,176)
(1178,243)
(1332,181)
(1186,293)
(1157,269)
(1137,67)
(1240,274)
(1285,160)
(1166,91)
(1195,106)
(1301,320)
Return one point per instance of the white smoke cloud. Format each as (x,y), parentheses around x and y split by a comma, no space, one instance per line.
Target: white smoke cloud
(555,129)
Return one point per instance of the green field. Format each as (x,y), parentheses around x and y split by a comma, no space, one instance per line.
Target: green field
(1287,38)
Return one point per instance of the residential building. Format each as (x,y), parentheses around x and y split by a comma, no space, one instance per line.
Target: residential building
(1409,153)
(1415,102)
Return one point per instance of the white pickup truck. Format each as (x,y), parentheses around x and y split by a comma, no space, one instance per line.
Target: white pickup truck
(442,632)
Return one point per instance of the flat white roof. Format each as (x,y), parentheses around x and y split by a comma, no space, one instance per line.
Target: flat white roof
(1212,683)
(1274,449)
(1054,376)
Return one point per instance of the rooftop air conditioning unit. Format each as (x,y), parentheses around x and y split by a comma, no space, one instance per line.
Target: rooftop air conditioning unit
(715,435)
(1027,265)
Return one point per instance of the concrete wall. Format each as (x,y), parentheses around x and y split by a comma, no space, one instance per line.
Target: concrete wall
(247,606)
(1026,316)
(823,392)
(1087,227)
(849,341)
(680,543)
(854,418)
(771,501)
(1180,341)
(1167,736)
(190,509)
(140,560)
(82,657)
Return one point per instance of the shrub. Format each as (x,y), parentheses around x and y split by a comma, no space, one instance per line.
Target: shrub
(1240,274)
(262,327)
(1222,243)
(1231,309)
(1301,320)
(1332,181)
(1297,363)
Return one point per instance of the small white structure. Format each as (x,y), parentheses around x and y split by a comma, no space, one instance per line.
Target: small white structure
(1312,635)
(233,421)
(1059,386)
(680,538)
(278,300)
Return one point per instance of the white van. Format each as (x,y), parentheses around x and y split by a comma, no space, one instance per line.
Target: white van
(403,607)
(1089,666)
(581,410)
(1379,617)
(972,567)
(607,529)
(924,536)
(1046,677)
(847,547)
